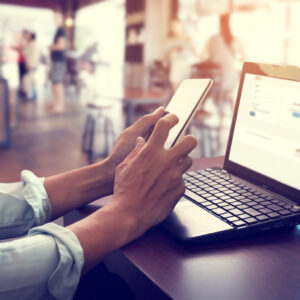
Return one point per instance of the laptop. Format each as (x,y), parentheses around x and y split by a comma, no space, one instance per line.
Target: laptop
(258,187)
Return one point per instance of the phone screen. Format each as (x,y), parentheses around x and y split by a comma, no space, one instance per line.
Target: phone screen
(184,104)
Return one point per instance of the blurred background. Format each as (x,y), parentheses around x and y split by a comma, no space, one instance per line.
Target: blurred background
(74,73)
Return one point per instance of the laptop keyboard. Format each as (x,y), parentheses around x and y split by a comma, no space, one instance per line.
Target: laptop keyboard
(236,204)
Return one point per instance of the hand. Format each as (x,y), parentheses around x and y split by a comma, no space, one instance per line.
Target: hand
(149,181)
(127,140)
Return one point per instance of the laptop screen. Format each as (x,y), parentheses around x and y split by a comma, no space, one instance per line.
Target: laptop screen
(266,137)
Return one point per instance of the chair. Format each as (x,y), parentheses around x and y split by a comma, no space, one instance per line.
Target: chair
(208,69)
(5,134)
(209,135)
(96,116)
(158,75)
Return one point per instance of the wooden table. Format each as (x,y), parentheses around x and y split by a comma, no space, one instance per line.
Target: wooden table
(265,266)
(134,96)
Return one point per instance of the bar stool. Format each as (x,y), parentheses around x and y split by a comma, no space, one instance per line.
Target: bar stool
(97,115)
(208,134)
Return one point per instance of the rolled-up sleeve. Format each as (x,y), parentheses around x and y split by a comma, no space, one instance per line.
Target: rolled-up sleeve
(45,264)
(23,205)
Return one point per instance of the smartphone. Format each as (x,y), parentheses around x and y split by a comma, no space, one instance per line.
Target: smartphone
(184,104)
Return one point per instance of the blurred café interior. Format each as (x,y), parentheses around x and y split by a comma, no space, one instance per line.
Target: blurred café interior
(122,59)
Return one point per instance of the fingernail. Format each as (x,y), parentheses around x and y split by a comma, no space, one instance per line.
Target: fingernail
(138,141)
(158,109)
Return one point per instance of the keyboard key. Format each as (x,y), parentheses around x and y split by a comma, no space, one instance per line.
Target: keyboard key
(232,219)
(204,186)
(252,212)
(288,206)
(230,200)
(226,216)
(265,211)
(225,197)
(217,186)
(220,194)
(284,212)
(228,207)
(206,195)
(211,198)
(236,203)
(236,188)
(219,211)
(253,197)
(222,204)
(212,206)
(217,201)
(244,216)
(239,223)
(258,207)
(234,194)
(251,220)
(194,196)
(201,193)
(275,207)
(246,193)
(274,215)
(236,212)
(222,189)
(265,203)
(262,218)
(230,185)
(258,193)
(295,209)
(240,197)
(245,200)
(243,206)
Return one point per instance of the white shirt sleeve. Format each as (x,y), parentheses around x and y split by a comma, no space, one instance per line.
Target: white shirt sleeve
(45,264)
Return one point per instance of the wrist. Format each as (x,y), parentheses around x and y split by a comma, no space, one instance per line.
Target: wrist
(124,225)
(101,176)
(104,231)
(111,166)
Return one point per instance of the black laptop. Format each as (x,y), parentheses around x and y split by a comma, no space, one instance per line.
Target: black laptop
(258,187)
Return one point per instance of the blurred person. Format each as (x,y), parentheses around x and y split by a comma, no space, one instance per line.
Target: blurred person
(179,54)
(58,64)
(31,54)
(22,41)
(10,72)
(225,50)
(146,182)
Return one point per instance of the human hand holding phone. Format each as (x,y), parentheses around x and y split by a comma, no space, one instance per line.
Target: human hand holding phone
(184,104)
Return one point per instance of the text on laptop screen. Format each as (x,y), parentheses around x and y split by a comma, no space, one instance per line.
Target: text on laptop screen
(266,137)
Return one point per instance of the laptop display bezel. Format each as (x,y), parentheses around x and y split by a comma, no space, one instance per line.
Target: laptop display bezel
(282,72)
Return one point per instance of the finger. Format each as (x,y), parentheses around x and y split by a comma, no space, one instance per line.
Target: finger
(161,130)
(183,148)
(143,124)
(173,195)
(184,164)
(140,142)
(151,128)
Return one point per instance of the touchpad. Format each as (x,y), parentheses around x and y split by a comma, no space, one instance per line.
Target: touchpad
(189,221)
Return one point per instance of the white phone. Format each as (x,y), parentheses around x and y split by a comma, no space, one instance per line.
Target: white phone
(184,104)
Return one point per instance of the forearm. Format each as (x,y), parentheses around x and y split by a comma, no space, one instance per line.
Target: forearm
(102,232)
(76,188)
